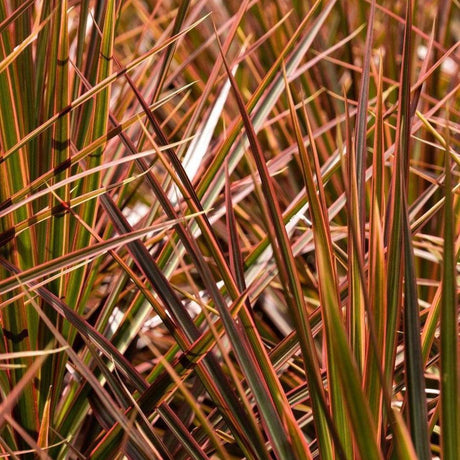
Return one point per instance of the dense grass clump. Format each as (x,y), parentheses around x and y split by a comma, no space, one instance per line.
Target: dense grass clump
(229,229)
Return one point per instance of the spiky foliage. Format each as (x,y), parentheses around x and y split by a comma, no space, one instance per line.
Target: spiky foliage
(229,230)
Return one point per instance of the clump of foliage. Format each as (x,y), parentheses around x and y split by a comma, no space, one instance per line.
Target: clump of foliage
(229,229)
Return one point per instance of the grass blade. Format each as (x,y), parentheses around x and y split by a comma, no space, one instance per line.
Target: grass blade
(450,395)
(343,369)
